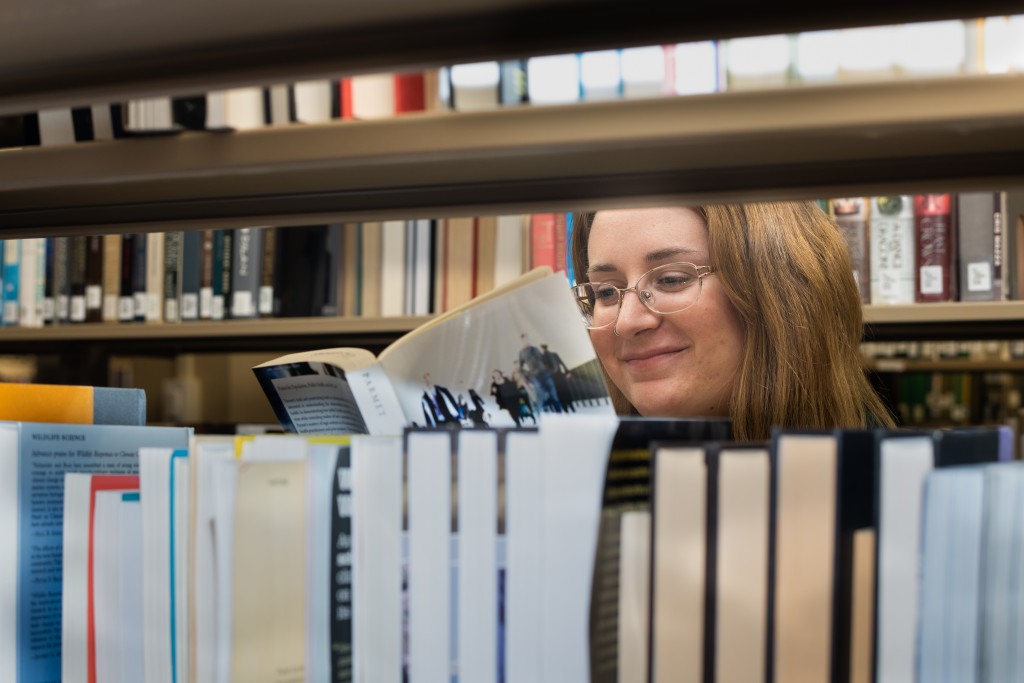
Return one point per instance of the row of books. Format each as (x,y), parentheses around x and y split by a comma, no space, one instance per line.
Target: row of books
(389,268)
(583,549)
(934,247)
(160,555)
(846,555)
(986,45)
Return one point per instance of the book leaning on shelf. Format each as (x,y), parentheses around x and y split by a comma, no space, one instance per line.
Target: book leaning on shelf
(501,359)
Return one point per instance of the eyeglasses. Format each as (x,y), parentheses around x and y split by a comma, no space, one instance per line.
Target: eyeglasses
(669,288)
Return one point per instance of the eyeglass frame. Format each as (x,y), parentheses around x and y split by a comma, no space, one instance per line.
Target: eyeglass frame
(702,272)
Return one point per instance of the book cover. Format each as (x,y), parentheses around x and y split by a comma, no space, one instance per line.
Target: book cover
(935,242)
(851,215)
(34,458)
(441,373)
(891,248)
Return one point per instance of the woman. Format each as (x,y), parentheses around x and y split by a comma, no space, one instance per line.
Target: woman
(762,324)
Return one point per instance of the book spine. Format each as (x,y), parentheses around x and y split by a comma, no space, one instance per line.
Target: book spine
(94,279)
(206,278)
(340,570)
(891,246)
(79,257)
(49,295)
(140,296)
(61,291)
(933,232)
(172,276)
(332,277)
(32,288)
(851,215)
(126,300)
(542,240)
(980,235)
(111,276)
(12,280)
(246,262)
(410,92)
(154,277)
(268,256)
(191,258)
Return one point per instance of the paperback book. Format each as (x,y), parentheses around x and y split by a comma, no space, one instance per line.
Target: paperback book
(499,360)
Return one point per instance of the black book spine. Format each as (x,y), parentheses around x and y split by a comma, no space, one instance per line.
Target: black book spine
(341,570)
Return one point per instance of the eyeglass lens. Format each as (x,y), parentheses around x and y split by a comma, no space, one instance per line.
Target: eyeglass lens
(665,289)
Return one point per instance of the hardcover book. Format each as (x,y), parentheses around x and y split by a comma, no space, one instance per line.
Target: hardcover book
(486,363)
(892,249)
(935,242)
(34,458)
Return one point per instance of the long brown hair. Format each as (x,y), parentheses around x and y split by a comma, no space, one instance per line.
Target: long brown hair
(786,268)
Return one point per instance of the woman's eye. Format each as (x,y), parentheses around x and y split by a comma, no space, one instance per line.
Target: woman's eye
(605,293)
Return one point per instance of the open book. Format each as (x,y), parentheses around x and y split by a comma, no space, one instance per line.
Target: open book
(501,359)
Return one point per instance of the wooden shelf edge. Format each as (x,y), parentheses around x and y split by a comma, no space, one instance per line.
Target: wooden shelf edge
(952,312)
(275,328)
(924,135)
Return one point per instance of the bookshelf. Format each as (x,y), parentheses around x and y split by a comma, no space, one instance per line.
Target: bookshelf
(798,142)
(801,142)
(69,52)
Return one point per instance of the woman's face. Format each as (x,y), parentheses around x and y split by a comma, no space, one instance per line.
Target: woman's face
(682,364)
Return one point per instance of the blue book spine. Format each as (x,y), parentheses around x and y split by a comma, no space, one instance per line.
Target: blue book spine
(11,277)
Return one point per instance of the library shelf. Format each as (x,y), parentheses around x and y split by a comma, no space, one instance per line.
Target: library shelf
(922,135)
(69,52)
(269,334)
(945,321)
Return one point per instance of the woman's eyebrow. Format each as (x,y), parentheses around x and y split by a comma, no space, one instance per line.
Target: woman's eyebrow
(653,257)
(668,252)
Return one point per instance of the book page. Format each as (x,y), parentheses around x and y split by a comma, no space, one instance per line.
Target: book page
(500,361)
(310,391)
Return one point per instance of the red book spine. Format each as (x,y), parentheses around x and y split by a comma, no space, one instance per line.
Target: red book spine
(561,229)
(542,240)
(410,92)
(933,240)
(345,91)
